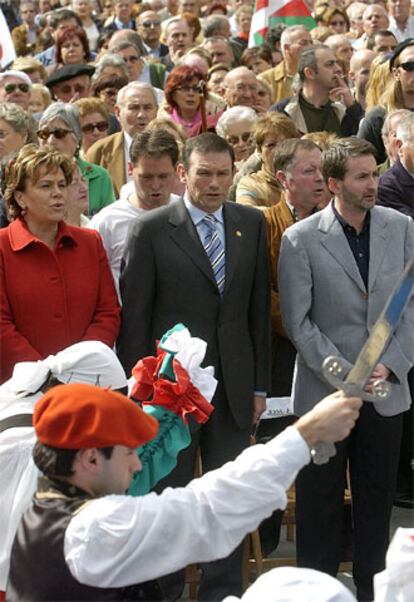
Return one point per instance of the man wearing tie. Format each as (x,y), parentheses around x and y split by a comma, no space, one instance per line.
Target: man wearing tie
(203,261)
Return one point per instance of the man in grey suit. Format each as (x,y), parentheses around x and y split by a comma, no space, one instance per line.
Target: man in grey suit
(203,261)
(337,269)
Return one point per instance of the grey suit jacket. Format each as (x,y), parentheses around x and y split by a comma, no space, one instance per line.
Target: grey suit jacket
(167,278)
(326,308)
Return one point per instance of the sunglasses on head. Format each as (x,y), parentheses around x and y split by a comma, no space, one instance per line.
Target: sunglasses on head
(408,66)
(10,88)
(101,126)
(58,133)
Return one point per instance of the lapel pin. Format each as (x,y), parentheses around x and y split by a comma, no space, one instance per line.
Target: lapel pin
(238,233)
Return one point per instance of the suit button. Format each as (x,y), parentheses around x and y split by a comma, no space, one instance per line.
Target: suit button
(54,279)
(58,315)
(365,295)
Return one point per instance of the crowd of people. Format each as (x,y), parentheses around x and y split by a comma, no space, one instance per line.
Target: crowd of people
(158,168)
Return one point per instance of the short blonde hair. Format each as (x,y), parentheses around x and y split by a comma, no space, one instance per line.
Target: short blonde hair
(273,124)
(45,92)
(89,105)
(25,167)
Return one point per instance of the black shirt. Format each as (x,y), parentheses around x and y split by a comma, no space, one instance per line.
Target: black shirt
(359,243)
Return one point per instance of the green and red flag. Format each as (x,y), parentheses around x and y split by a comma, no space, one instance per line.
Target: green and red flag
(269,12)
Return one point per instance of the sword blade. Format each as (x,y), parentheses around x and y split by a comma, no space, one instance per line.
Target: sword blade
(382,331)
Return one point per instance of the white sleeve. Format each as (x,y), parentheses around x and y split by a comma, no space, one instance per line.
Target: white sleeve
(120,540)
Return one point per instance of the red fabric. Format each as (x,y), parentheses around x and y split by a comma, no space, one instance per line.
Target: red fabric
(50,299)
(80,416)
(181,397)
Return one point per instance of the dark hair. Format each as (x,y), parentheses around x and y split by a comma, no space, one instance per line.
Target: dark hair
(155,144)
(103,82)
(55,462)
(261,52)
(205,144)
(273,35)
(284,154)
(124,45)
(183,74)
(335,158)
(62,14)
(68,34)
(308,59)
(370,43)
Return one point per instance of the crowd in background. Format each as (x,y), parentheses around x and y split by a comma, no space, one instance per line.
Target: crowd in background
(103,108)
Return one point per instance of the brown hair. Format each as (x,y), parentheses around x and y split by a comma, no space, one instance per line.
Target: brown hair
(284,154)
(335,158)
(25,167)
(273,124)
(154,144)
(92,105)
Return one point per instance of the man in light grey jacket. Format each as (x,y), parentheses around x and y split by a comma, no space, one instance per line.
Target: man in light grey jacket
(337,269)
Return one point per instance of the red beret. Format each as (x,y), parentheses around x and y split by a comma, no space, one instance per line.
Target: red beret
(84,416)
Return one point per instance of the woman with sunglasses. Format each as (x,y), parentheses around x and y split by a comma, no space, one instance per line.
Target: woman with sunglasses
(15,87)
(185,96)
(236,126)
(56,287)
(94,121)
(60,127)
(399,94)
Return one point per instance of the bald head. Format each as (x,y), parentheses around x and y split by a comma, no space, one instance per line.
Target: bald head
(359,71)
(375,17)
(240,87)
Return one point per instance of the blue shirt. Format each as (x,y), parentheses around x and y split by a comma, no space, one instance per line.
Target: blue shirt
(197,215)
(359,243)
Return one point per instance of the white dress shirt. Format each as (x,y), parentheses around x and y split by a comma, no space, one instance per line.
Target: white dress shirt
(118,540)
(402,34)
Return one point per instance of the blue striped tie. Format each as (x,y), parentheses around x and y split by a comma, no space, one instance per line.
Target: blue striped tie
(215,251)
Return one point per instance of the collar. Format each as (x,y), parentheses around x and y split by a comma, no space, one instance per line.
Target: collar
(345,224)
(121,25)
(303,100)
(128,140)
(55,488)
(20,236)
(197,215)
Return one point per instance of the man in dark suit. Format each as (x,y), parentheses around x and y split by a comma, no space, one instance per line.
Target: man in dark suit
(396,186)
(203,261)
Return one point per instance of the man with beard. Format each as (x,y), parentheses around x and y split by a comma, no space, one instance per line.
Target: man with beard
(324,101)
(337,269)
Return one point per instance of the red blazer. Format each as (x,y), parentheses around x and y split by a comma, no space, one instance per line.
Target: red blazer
(50,299)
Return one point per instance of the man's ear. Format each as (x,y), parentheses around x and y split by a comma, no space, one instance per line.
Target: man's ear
(182,173)
(116,111)
(130,169)
(89,459)
(281,177)
(334,185)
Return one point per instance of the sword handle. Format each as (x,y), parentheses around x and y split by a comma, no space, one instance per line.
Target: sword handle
(322,452)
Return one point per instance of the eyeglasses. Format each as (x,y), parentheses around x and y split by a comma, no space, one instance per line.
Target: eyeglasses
(10,88)
(131,59)
(101,126)
(58,133)
(194,89)
(148,24)
(245,137)
(408,66)
(109,92)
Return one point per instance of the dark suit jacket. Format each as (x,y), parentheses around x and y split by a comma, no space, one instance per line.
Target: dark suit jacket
(167,278)
(396,190)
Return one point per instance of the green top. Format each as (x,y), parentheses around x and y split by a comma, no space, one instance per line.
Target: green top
(101,191)
(320,119)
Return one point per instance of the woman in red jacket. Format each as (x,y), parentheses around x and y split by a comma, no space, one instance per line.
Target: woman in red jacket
(56,287)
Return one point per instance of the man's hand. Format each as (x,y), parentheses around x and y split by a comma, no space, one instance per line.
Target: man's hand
(259,406)
(331,420)
(380,372)
(342,94)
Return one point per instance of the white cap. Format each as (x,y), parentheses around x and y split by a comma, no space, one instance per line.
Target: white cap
(291,584)
(19,75)
(89,362)
(396,582)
